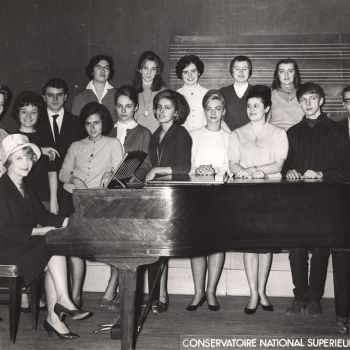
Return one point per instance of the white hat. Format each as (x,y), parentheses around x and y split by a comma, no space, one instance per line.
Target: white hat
(13,143)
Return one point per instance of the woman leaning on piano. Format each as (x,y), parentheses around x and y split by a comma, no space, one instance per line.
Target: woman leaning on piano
(257,150)
(170,154)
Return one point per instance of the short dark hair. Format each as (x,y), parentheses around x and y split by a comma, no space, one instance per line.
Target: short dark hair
(57,83)
(242,59)
(6,92)
(28,152)
(89,70)
(129,91)
(181,106)
(184,61)
(102,111)
(28,98)
(260,91)
(157,82)
(213,95)
(310,88)
(346,89)
(276,83)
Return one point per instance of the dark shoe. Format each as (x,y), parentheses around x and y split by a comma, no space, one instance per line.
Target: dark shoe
(215,307)
(267,307)
(249,311)
(25,310)
(61,312)
(163,306)
(50,329)
(195,306)
(295,307)
(314,308)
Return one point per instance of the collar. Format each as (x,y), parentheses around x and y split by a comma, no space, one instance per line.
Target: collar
(322,118)
(60,113)
(107,87)
(131,124)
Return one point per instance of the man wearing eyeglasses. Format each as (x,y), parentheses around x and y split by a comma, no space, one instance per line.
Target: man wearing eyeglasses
(341,258)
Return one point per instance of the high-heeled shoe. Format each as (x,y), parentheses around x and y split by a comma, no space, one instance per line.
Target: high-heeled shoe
(50,329)
(62,311)
(194,307)
(215,307)
(249,311)
(267,307)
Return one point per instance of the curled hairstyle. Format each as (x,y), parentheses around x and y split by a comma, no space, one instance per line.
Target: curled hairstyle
(89,70)
(6,92)
(310,88)
(157,82)
(102,111)
(185,61)
(181,106)
(213,95)
(129,91)
(28,152)
(346,89)
(57,83)
(28,98)
(276,83)
(262,92)
(242,59)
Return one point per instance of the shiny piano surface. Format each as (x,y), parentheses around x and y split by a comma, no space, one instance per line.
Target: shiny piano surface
(132,227)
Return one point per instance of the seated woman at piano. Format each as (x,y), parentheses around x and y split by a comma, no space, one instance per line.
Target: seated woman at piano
(209,157)
(133,137)
(22,242)
(170,154)
(257,150)
(85,164)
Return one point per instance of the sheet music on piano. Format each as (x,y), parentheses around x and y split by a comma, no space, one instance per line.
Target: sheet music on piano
(126,169)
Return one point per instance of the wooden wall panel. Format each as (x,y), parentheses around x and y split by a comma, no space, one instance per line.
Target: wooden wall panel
(46,38)
(321,59)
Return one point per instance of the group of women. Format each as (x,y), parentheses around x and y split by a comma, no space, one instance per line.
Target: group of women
(184,131)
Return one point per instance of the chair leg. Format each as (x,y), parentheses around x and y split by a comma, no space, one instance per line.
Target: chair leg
(34,294)
(15,288)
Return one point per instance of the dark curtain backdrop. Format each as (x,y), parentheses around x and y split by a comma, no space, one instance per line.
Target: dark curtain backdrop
(41,39)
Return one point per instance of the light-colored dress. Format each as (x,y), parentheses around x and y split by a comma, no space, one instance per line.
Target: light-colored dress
(210,148)
(248,150)
(89,160)
(284,113)
(144,114)
(194,97)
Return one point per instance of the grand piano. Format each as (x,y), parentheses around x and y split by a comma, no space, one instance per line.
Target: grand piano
(193,216)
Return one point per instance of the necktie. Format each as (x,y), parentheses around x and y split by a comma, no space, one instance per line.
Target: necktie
(55,127)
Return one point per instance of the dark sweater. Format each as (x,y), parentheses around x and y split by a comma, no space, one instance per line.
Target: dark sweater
(236,108)
(174,150)
(319,148)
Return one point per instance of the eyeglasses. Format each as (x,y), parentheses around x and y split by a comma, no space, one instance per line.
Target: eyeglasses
(347,101)
(99,67)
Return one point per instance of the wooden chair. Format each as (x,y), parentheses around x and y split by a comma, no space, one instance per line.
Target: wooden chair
(11,282)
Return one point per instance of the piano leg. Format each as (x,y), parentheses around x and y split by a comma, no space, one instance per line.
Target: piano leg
(127,282)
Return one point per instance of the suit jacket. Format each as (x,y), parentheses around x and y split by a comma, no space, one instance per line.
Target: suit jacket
(69,133)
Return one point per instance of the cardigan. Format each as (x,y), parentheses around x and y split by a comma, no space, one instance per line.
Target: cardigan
(88,95)
(89,160)
(236,108)
(174,150)
(318,148)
